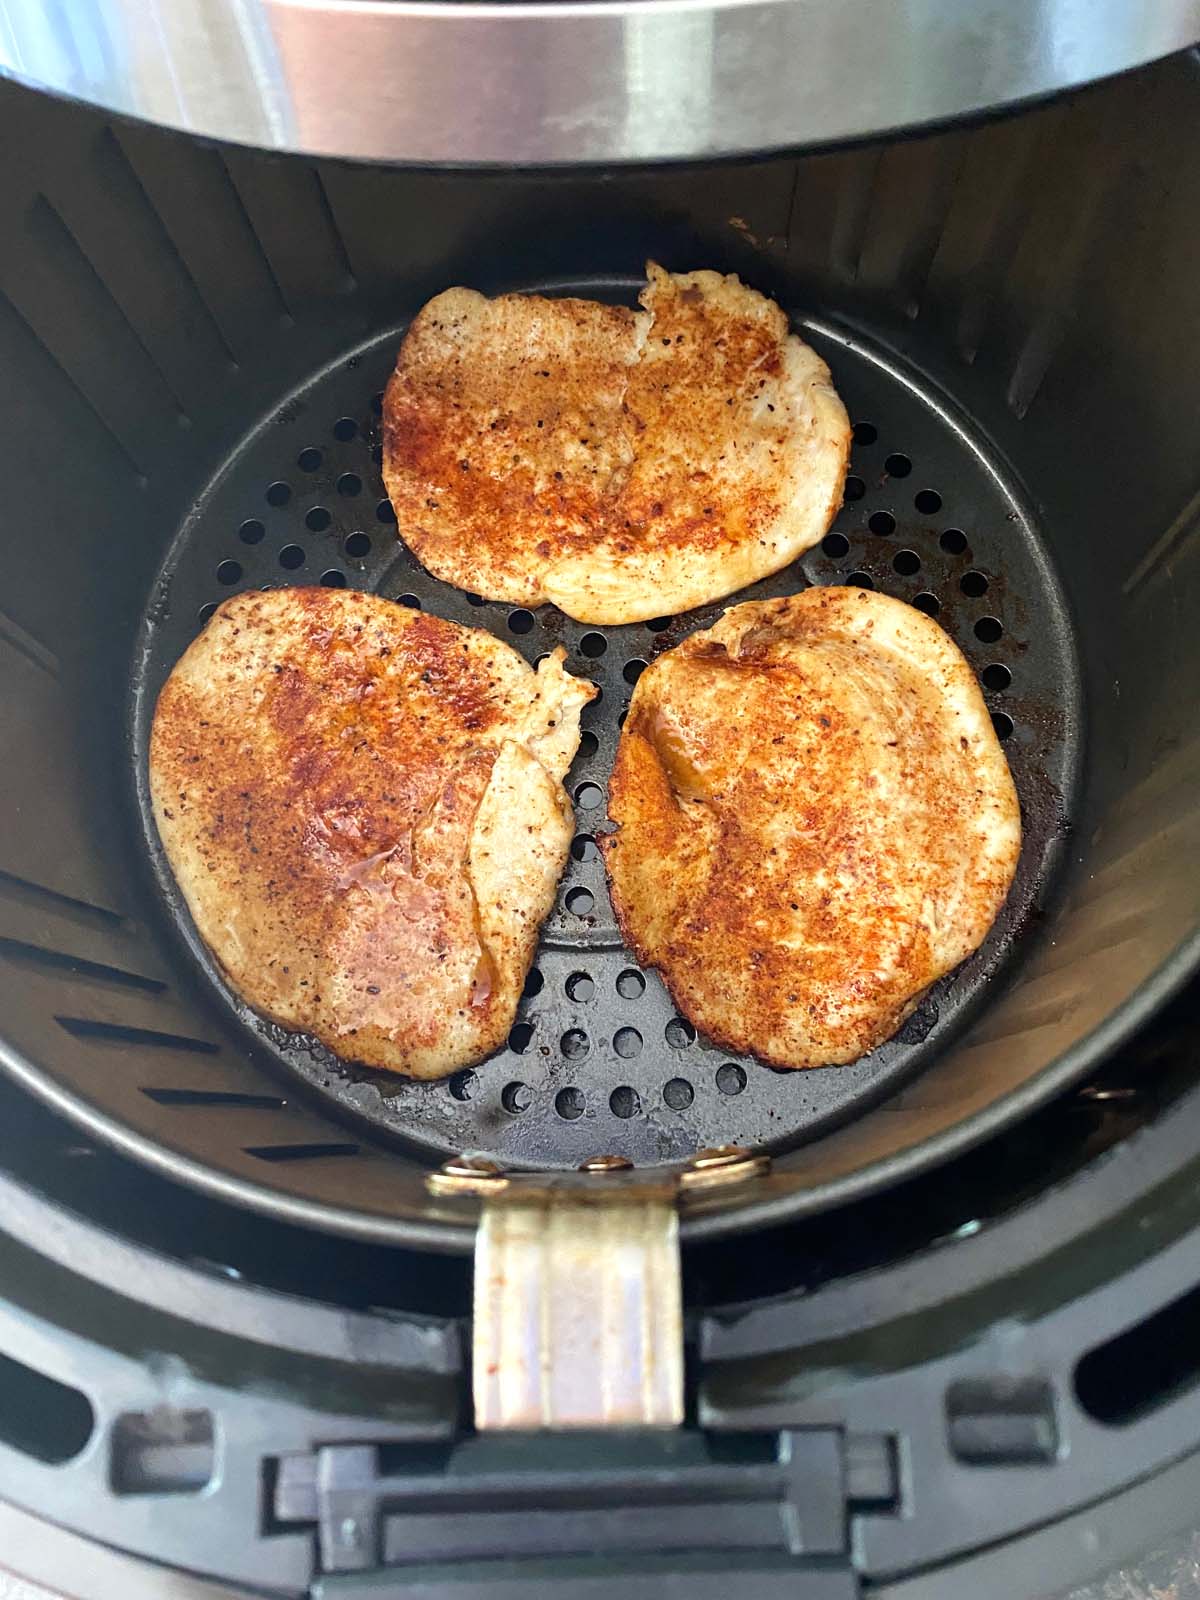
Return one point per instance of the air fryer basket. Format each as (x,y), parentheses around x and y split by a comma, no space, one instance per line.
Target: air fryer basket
(192,339)
(598,1061)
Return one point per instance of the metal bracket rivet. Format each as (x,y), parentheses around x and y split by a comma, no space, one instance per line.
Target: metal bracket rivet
(606,1164)
(467,1175)
(726,1163)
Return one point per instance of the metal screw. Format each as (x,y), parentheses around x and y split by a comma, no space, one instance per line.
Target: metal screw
(606,1164)
(348,1533)
(466,1175)
(726,1163)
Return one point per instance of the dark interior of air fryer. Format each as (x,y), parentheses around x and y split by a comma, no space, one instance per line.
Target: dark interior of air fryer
(194,342)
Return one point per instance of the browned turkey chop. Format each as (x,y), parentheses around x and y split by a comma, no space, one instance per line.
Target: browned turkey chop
(622,464)
(815,822)
(363,807)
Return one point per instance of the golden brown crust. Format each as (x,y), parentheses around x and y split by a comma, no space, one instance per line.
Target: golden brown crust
(621,464)
(815,822)
(503,429)
(363,807)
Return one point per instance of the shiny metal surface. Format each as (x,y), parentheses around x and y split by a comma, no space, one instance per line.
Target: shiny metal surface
(558,82)
(578,1311)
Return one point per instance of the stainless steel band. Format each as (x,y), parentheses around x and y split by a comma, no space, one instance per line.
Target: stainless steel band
(553,82)
(578,1306)
(578,1314)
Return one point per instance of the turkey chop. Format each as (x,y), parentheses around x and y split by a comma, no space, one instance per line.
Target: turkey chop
(363,807)
(815,822)
(622,464)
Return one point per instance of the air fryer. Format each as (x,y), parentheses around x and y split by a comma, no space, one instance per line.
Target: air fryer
(195,338)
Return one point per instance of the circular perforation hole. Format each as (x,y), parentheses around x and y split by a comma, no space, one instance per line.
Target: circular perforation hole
(377,403)
(588,796)
(865,433)
(580,902)
(569,1103)
(463,1084)
(357,545)
(881,522)
(731,1079)
(860,580)
(953,541)
(627,1042)
(679,1033)
(927,501)
(520,1037)
(928,603)
(318,519)
(989,629)
(973,584)
(906,563)
(251,531)
(476,600)
(229,572)
(897,466)
(580,986)
(345,428)
(584,847)
(623,1102)
(678,1094)
(534,983)
(633,670)
(333,579)
(631,984)
(659,624)
(1003,724)
(588,744)
(349,484)
(291,557)
(384,511)
(278,494)
(593,645)
(853,489)
(207,610)
(309,460)
(835,545)
(996,677)
(520,621)
(515,1097)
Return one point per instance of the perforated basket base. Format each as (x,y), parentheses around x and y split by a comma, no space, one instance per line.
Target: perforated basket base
(598,1061)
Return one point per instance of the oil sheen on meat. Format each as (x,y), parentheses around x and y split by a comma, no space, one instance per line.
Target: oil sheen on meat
(815,821)
(621,464)
(363,807)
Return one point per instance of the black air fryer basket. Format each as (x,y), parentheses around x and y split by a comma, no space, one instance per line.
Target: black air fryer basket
(196,341)
(194,338)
